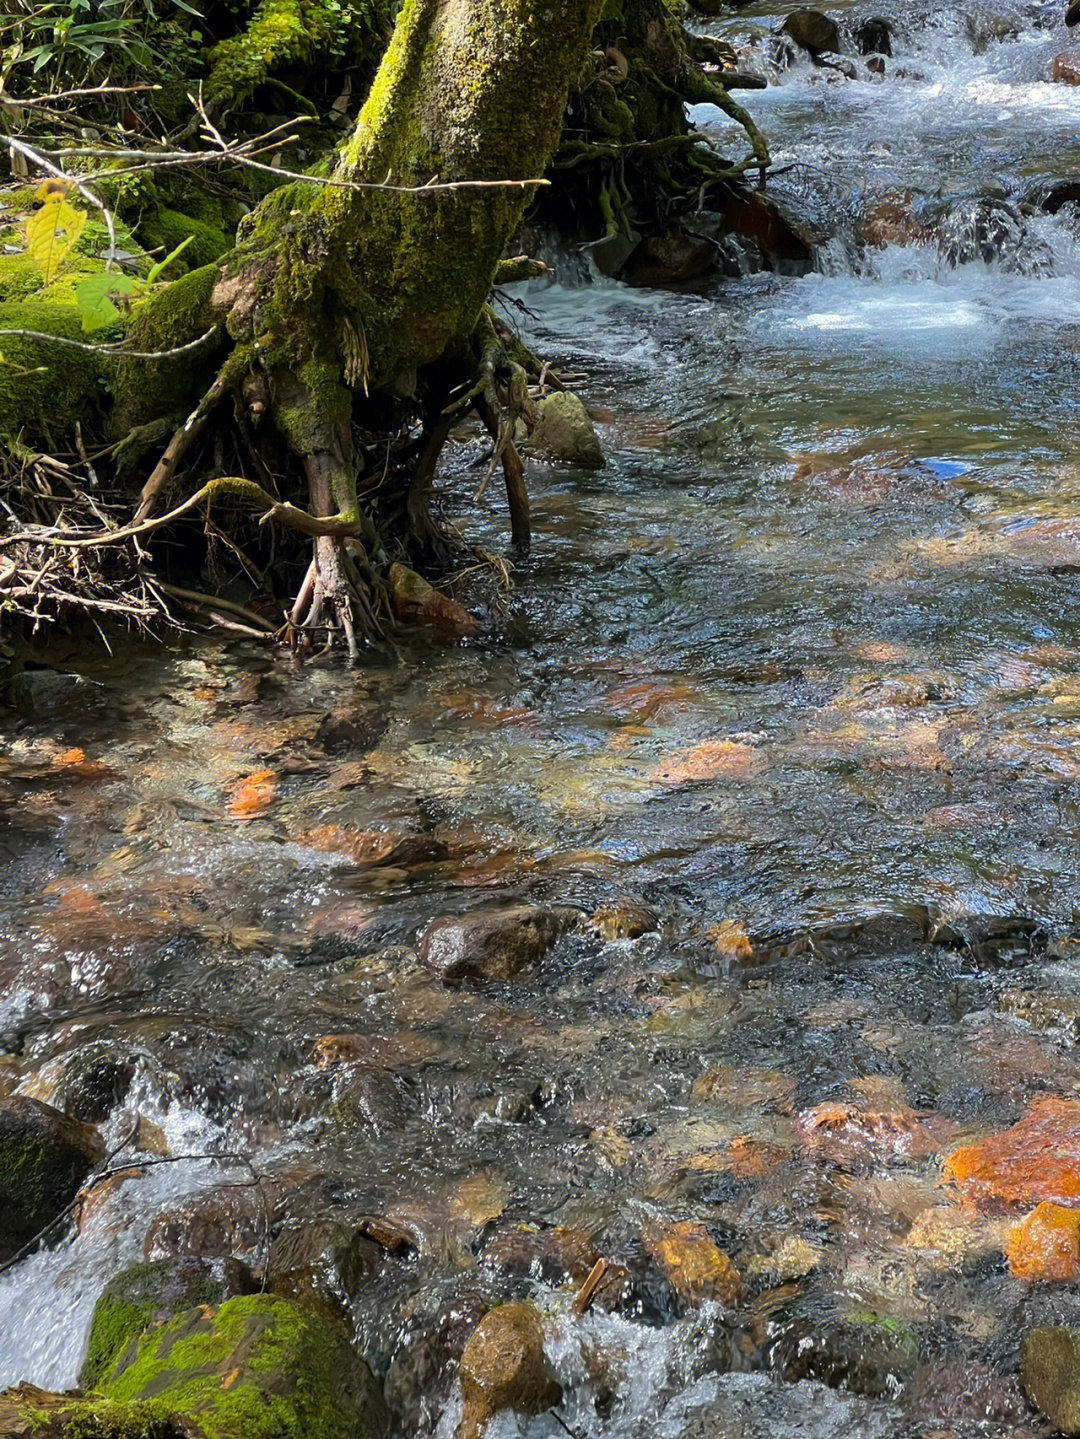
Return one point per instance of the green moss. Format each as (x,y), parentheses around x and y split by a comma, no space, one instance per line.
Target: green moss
(150,389)
(285,34)
(45,388)
(167,229)
(257,1368)
(100,1419)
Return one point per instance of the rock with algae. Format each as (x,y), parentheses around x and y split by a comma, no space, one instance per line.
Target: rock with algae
(44,1157)
(257,1367)
(565,432)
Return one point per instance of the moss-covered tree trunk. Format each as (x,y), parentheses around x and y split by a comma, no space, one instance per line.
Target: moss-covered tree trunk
(365,297)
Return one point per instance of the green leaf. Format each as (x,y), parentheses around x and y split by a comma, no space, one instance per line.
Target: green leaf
(94,298)
(161,264)
(51,234)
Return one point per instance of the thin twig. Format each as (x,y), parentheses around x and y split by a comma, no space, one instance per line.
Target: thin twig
(115,351)
(25,104)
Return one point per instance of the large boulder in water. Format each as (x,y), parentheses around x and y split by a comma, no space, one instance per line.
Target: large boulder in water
(1066,68)
(565,432)
(813,30)
(874,36)
(258,1367)
(44,1157)
(149,1294)
(995,232)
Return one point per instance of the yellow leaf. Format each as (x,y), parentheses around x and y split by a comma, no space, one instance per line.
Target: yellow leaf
(51,234)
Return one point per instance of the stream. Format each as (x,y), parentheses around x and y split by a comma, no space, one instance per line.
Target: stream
(786,706)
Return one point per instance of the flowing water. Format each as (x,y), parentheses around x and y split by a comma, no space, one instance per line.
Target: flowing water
(799,670)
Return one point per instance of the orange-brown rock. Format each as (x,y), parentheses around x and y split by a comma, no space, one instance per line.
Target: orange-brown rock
(622,919)
(1036,1160)
(692,1263)
(361,846)
(730,940)
(383,1051)
(893,221)
(1045,1245)
(415,602)
(749,1158)
(504,1366)
(252,794)
(653,699)
(746,1087)
(1066,68)
(715,759)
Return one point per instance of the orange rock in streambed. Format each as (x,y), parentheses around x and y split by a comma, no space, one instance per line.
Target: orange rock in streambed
(75,762)
(730,940)
(253,793)
(361,846)
(692,1264)
(1045,1245)
(715,759)
(749,1158)
(1036,1160)
(381,1051)
(652,699)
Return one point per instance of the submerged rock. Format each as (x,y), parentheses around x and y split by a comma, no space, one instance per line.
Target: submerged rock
(1066,68)
(221,1221)
(415,602)
(622,919)
(488,944)
(504,1367)
(1050,1370)
(1045,1245)
(995,232)
(565,432)
(812,30)
(693,1264)
(1037,1159)
(44,1157)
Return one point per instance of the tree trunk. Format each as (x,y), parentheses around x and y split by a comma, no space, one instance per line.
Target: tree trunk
(366,296)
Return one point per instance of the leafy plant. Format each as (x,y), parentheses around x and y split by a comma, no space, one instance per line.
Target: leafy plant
(70,39)
(96,297)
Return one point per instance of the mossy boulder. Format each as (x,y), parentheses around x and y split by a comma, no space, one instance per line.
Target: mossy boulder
(166,230)
(44,1157)
(45,388)
(565,432)
(258,1367)
(149,1294)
